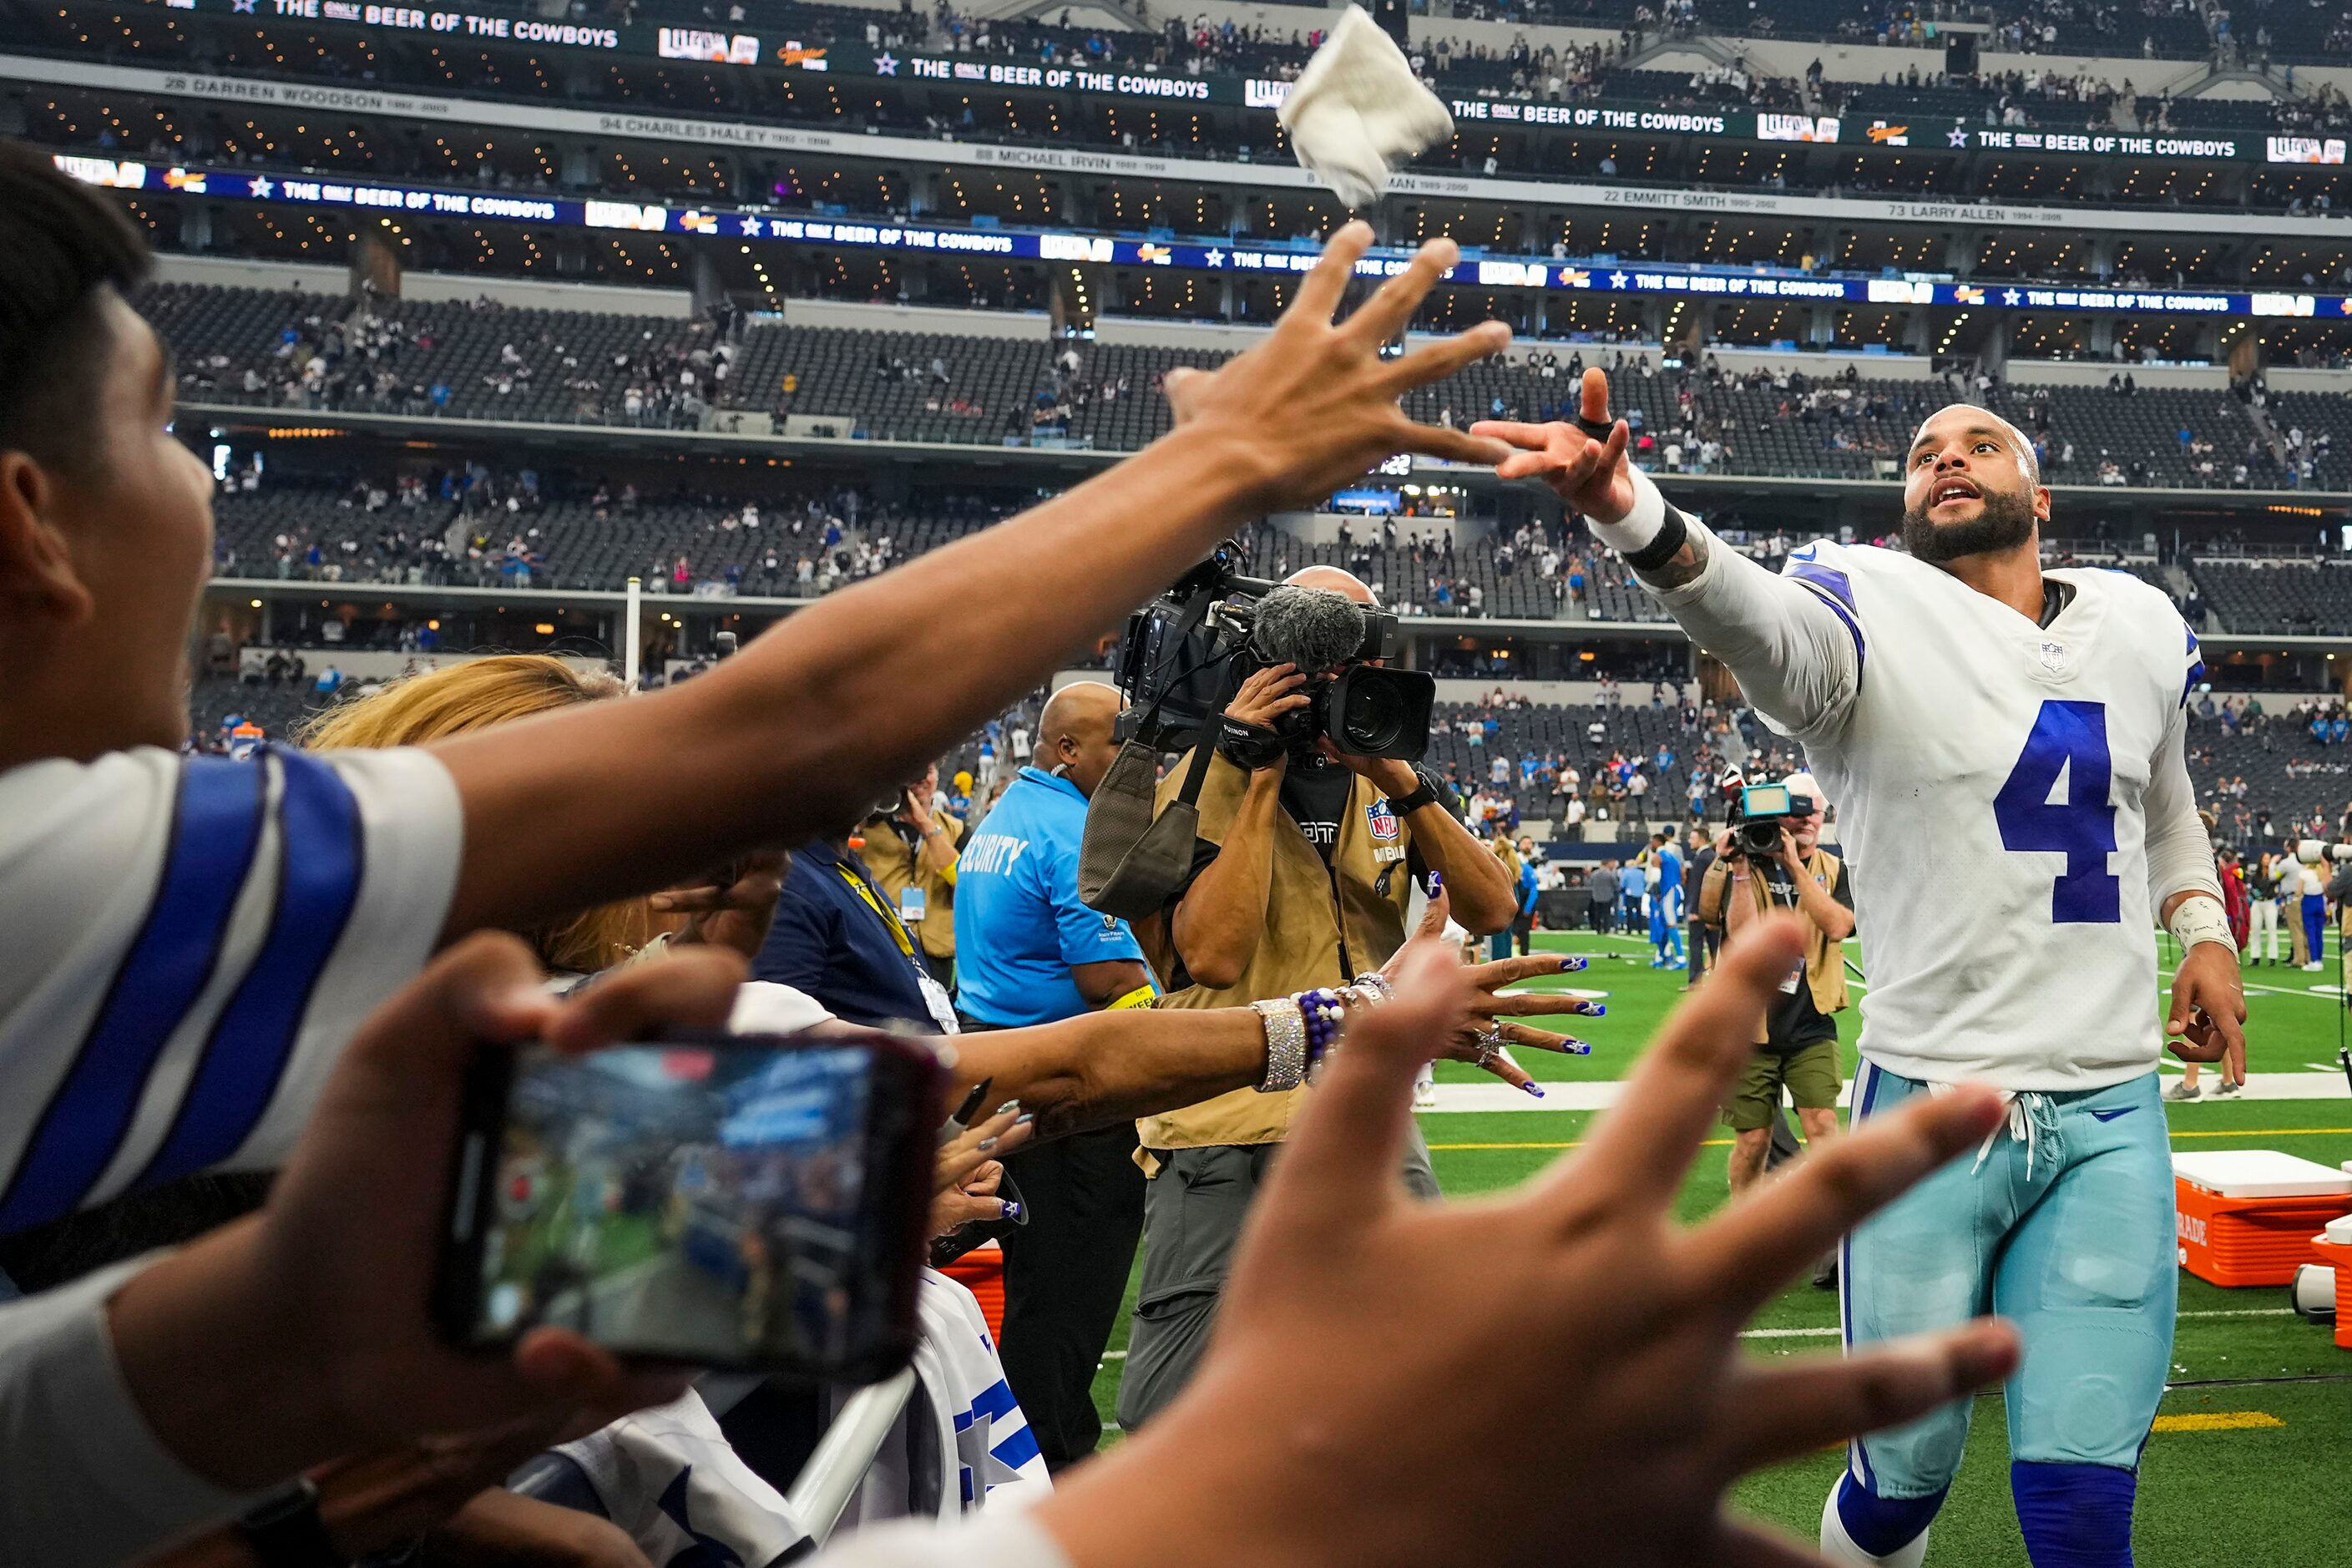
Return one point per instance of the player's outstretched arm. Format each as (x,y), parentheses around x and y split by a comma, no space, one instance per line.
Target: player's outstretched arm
(801,731)
(1798,658)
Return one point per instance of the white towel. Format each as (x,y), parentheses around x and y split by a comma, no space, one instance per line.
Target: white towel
(668,1476)
(1358,112)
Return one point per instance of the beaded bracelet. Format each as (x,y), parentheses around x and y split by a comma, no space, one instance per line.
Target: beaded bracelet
(1324,1013)
(1286,1044)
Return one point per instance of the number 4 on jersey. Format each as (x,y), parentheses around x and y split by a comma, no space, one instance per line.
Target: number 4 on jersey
(2069,738)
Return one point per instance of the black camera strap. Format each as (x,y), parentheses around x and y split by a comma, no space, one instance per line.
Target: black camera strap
(1196,772)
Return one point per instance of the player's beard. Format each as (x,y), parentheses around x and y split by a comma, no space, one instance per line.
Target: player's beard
(2004,522)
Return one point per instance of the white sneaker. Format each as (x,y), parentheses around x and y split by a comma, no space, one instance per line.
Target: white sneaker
(2224,1088)
(2180,1091)
(2313,968)
(1424,1094)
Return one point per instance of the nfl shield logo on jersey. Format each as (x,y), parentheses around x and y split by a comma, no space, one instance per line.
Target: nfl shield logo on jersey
(2053,656)
(1384,821)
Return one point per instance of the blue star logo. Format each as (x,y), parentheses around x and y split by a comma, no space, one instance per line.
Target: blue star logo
(243,7)
(886,64)
(2011,296)
(752,226)
(260,186)
(1215,257)
(1617,280)
(1956,136)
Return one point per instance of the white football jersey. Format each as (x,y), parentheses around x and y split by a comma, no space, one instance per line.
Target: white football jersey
(191,942)
(1995,781)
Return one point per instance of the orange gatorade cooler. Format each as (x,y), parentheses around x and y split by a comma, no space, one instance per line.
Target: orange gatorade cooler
(2332,1247)
(981,1272)
(2246,1215)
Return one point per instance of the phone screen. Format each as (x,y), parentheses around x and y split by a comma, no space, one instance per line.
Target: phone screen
(723,1203)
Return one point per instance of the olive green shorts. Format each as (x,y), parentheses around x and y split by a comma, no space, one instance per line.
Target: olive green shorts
(1809,1074)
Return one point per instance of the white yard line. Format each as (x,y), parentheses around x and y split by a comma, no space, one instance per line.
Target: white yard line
(1832,1332)
(2323,1082)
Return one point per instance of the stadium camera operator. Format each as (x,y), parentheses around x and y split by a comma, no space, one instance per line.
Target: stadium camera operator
(912,853)
(1312,828)
(1771,856)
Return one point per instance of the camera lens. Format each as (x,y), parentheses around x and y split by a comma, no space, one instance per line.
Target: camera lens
(1375,719)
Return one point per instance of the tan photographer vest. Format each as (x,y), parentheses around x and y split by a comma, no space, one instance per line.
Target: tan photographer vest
(1824,959)
(1312,912)
(893,862)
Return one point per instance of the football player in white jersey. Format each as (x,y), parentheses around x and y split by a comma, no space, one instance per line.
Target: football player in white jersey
(2008,744)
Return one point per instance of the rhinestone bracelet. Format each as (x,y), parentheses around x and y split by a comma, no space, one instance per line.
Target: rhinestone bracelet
(1286,1045)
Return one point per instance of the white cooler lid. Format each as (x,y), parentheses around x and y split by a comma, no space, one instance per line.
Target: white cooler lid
(2339,1231)
(2260,1173)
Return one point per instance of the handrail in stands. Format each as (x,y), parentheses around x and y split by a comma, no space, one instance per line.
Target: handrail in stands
(832,1476)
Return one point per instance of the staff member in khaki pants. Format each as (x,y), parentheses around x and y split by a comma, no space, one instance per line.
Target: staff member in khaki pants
(1303,868)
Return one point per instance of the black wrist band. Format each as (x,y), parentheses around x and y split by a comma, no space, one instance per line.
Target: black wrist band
(285,1531)
(1673,534)
(1248,746)
(1404,806)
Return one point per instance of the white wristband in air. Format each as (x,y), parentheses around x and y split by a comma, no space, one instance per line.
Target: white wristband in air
(2201,920)
(1640,527)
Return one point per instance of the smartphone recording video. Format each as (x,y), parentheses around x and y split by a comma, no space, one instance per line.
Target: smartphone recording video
(750,1202)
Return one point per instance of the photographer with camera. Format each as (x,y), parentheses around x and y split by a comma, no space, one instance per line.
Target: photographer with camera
(912,853)
(1770,858)
(1305,857)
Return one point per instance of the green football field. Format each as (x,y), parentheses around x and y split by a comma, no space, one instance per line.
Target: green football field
(2254,1448)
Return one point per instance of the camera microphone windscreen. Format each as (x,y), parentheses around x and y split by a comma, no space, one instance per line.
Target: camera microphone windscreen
(1315,628)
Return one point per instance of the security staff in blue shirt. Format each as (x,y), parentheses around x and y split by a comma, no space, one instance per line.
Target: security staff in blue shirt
(1027,952)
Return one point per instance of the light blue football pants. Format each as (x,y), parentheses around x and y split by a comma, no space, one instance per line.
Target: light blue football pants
(2066,1227)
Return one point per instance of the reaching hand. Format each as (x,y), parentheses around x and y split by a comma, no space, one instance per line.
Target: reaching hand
(2207,1022)
(1314,404)
(734,907)
(1393,1383)
(972,1201)
(1593,476)
(1000,1133)
(1475,1033)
